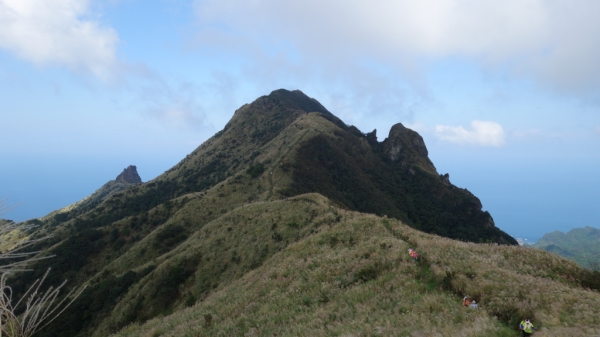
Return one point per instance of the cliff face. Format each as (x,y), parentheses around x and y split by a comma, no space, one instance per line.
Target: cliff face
(407,147)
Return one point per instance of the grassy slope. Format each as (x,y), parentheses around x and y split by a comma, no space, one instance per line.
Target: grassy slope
(141,245)
(343,273)
(238,189)
(160,246)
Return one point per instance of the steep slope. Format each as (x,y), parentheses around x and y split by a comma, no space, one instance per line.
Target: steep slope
(581,245)
(394,178)
(335,272)
(131,247)
(316,152)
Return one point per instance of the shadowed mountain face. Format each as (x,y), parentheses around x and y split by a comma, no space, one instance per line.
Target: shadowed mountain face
(393,178)
(278,147)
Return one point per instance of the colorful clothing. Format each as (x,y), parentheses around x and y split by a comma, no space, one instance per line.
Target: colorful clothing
(527,327)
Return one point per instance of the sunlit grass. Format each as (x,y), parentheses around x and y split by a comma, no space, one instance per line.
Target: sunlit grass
(354,278)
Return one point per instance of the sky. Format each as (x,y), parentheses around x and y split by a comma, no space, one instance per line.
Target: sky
(506,94)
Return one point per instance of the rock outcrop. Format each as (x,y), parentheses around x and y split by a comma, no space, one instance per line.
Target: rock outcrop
(129,176)
(406,146)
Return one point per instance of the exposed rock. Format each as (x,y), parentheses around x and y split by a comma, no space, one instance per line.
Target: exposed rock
(445,178)
(372,136)
(406,146)
(129,175)
(127,178)
(399,138)
(491,223)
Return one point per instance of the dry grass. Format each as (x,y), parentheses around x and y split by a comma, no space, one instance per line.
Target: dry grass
(37,309)
(40,308)
(259,266)
(354,278)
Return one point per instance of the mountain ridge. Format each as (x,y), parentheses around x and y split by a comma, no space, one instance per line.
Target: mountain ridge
(124,180)
(581,245)
(266,171)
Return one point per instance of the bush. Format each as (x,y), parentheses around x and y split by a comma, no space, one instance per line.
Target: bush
(169,237)
(256,170)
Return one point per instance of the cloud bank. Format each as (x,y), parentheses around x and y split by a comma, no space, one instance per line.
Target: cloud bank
(554,42)
(482,133)
(58,32)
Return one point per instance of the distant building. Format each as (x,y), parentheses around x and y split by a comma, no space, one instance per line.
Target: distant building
(523,242)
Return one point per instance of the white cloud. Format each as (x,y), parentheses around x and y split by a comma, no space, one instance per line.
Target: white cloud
(483,133)
(58,32)
(555,42)
(180,116)
(417,126)
(173,105)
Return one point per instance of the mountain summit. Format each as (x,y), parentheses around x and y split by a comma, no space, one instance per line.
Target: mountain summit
(282,171)
(129,176)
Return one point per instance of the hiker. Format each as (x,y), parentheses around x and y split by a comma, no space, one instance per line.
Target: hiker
(466,301)
(473,305)
(413,253)
(526,327)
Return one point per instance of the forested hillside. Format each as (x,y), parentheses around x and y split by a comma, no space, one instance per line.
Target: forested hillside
(581,245)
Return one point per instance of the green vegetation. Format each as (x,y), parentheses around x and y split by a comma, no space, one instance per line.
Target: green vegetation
(289,222)
(355,277)
(579,244)
(256,170)
(352,173)
(26,315)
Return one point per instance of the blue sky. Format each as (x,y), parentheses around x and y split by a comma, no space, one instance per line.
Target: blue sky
(505,94)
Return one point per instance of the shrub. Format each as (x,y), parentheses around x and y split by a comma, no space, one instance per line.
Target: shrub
(169,237)
(256,170)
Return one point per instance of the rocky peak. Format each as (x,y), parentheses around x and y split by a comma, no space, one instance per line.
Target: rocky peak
(407,147)
(400,139)
(129,175)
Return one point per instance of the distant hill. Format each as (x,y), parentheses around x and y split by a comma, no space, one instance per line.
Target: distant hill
(290,222)
(581,245)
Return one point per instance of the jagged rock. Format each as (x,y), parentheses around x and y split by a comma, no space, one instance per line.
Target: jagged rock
(129,175)
(127,178)
(405,146)
(445,178)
